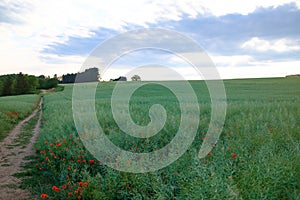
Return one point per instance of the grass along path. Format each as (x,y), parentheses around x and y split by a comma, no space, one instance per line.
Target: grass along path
(14,109)
(13,150)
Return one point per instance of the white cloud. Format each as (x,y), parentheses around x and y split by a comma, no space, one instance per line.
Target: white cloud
(281,45)
(232,61)
(221,7)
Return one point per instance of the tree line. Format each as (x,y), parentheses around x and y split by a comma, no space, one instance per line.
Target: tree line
(89,75)
(16,84)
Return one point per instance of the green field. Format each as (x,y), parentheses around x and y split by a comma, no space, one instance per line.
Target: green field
(256,157)
(13,109)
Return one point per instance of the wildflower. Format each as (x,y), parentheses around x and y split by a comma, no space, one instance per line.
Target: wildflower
(44,196)
(85,184)
(46,142)
(69,168)
(56,189)
(127,186)
(79,197)
(233,155)
(47,159)
(64,187)
(91,161)
(78,161)
(40,169)
(119,191)
(51,145)
(99,161)
(80,184)
(36,165)
(70,194)
(136,147)
(209,154)
(58,144)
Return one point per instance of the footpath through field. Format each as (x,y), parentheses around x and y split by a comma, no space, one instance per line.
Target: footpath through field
(13,149)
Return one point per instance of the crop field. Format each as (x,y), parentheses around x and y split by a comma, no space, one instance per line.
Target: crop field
(13,109)
(257,155)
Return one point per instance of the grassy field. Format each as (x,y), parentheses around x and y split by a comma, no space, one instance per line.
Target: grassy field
(257,156)
(13,109)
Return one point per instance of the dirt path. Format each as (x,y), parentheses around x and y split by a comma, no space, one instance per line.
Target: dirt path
(12,157)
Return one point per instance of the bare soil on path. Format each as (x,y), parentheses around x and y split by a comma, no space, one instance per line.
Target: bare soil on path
(12,158)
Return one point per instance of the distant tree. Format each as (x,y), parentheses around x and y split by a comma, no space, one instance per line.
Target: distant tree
(1,86)
(47,83)
(135,78)
(21,84)
(7,85)
(32,83)
(69,78)
(89,75)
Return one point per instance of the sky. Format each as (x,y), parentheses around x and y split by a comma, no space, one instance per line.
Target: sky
(244,39)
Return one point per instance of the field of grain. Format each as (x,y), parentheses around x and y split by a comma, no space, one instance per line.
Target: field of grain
(13,109)
(256,157)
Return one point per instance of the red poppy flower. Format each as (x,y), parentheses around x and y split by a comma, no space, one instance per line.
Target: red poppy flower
(56,189)
(233,155)
(44,196)
(91,161)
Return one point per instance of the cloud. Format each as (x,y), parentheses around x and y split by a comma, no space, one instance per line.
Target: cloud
(281,45)
(44,36)
(221,8)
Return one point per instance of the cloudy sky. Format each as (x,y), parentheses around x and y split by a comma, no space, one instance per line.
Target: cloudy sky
(243,38)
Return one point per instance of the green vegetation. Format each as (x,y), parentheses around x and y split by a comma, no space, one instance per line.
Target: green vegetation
(23,139)
(13,109)
(257,156)
(17,84)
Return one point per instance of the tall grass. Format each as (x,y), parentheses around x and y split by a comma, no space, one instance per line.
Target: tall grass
(256,157)
(13,109)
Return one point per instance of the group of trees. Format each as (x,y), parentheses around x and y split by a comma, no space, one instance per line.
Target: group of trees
(89,75)
(16,84)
